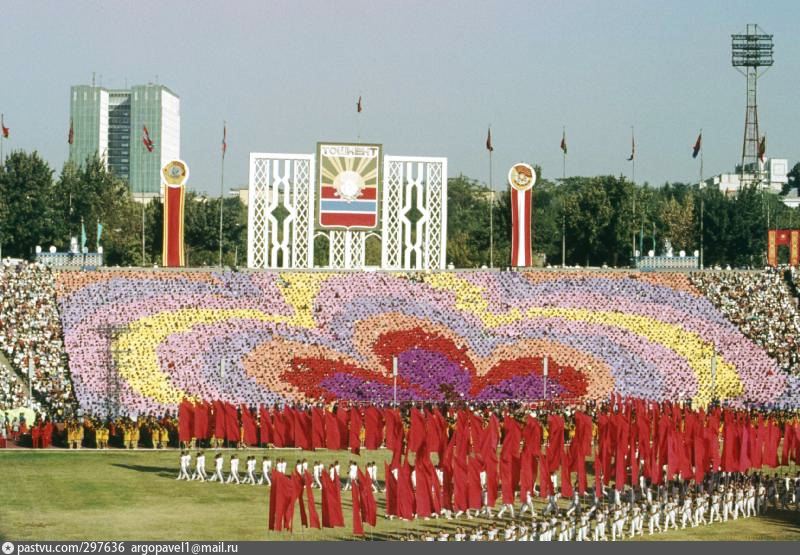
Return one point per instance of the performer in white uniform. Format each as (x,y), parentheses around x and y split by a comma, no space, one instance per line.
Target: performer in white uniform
(234,475)
(183,473)
(200,467)
(266,470)
(219,461)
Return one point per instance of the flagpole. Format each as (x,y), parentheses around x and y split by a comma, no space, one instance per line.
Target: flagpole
(222,188)
(702,201)
(633,158)
(491,213)
(142,199)
(563,153)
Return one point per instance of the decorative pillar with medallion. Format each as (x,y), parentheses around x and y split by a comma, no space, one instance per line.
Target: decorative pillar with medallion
(175,174)
(521,177)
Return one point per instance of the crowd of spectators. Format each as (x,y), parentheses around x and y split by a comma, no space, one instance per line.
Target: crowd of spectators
(30,326)
(12,391)
(762,306)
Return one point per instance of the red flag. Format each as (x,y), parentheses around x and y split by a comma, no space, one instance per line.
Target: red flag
(148,144)
(302,430)
(331,502)
(185,421)
(3,127)
(355,430)
(373,428)
(231,423)
(369,508)
(564,141)
(312,510)
(219,420)
(201,420)
(71,136)
(317,428)
(405,493)
(249,427)
(332,439)
(278,429)
(224,139)
(358,105)
(762,148)
(416,432)
(474,491)
(696,147)
(391,491)
(358,526)
(489,146)
(266,426)
(297,484)
(281,502)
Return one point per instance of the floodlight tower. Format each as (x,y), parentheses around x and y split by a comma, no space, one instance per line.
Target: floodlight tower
(751,52)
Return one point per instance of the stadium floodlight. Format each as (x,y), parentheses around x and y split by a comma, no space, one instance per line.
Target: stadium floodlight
(750,52)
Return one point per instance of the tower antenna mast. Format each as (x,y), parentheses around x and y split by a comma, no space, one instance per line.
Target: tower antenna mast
(751,55)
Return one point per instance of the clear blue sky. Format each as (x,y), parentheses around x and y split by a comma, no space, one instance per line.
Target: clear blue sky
(433,76)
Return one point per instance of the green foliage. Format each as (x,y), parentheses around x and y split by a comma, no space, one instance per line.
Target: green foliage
(602,219)
(27,205)
(467,223)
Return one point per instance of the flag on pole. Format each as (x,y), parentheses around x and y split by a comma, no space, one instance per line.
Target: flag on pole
(83,236)
(564,141)
(358,104)
(99,234)
(762,149)
(489,146)
(146,139)
(3,127)
(224,139)
(696,147)
(633,148)
(71,136)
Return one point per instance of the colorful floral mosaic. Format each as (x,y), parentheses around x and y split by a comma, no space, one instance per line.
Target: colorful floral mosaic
(264,337)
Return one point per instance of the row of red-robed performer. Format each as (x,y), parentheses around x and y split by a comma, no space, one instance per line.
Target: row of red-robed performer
(288,491)
(661,434)
(663,441)
(41,434)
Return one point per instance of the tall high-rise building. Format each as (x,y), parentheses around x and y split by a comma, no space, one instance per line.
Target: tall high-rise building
(110,124)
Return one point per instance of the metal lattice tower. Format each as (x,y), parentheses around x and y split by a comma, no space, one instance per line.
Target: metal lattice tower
(750,52)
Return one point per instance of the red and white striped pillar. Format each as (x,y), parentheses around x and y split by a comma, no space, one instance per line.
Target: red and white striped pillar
(521,177)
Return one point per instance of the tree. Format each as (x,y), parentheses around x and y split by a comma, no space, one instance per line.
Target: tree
(793,181)
(678,222)
(93,195)
(588,214)
(27,205)
(747,238)
(467,223)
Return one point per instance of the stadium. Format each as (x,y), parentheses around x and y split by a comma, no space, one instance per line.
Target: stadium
(359,344)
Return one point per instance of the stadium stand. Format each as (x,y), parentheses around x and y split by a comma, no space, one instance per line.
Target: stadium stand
(762,306)
(30,327)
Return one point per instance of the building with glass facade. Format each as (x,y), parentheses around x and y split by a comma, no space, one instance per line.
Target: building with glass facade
(109,124)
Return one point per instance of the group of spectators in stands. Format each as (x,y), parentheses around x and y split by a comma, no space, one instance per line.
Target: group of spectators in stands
(30,328)
(762,306)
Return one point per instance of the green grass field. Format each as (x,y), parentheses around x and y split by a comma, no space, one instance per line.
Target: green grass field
(118,495)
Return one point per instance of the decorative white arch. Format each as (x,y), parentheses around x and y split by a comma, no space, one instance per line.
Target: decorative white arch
(286,182)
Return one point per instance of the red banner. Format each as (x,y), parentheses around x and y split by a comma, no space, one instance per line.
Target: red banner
(173,226)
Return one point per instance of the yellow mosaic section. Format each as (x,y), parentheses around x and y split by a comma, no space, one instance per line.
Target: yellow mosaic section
(138,363)
(687,344)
